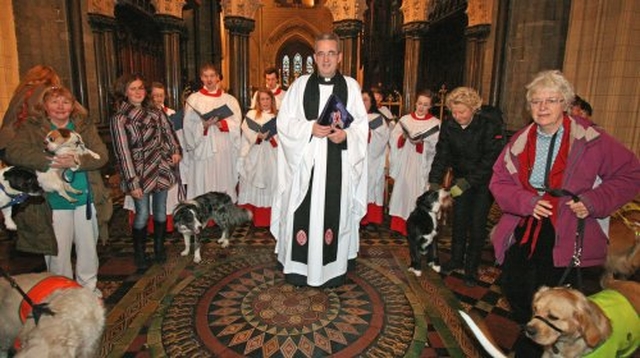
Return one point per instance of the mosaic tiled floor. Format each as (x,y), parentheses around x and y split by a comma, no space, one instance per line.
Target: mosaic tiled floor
(230,305)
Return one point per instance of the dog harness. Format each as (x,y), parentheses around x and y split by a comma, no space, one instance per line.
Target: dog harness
(625,325)
(42,290)
(15,199)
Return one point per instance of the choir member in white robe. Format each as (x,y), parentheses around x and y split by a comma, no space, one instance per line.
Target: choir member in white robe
(272,82)
(410,160)
(322,176)
(376,157)
(258,158)
(213,142)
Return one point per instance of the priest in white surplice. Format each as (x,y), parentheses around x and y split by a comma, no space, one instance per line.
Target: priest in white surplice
(322,176)
(213,142)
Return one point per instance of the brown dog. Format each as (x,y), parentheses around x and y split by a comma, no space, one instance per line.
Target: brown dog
(568,324)
(623,256)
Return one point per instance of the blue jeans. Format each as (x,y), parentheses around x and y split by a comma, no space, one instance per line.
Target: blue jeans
(158,200)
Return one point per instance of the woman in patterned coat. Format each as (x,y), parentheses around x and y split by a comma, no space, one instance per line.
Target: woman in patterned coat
(147,153)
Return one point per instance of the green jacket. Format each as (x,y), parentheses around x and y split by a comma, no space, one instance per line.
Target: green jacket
(35,230)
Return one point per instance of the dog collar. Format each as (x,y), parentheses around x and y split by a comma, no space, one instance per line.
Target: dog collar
(15,199)
(548,323)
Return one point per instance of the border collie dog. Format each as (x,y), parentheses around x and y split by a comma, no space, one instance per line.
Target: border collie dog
(16,185)
(422,229)
(191,217)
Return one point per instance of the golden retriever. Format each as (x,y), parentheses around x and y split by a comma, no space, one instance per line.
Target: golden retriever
(623,256)
(569,324)
(73,330)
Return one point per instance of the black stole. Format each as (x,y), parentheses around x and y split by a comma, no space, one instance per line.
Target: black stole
(333,177)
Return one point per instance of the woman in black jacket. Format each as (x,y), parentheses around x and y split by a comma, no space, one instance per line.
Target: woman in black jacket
(469,144)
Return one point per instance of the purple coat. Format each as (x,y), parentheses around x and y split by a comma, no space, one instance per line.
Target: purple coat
(600,170)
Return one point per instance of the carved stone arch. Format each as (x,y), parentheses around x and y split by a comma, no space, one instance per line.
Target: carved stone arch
(293,29)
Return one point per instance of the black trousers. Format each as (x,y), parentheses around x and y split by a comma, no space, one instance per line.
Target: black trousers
(469,229)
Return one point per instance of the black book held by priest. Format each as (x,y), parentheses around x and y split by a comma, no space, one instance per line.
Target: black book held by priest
(335,112)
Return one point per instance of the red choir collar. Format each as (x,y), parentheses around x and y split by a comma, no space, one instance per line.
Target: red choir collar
(277,91)
(217,93)
(415,116)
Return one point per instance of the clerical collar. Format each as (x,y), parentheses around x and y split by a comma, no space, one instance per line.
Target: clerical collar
(216,93)
(327,80)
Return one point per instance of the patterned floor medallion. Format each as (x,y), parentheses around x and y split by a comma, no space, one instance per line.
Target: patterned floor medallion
(246,309)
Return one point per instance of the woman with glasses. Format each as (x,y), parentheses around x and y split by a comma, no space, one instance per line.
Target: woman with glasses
(554,172)
(147,153)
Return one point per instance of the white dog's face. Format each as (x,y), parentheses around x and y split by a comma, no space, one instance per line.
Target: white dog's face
(61,137)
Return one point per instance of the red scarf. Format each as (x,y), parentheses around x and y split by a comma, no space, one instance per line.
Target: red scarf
(526,160)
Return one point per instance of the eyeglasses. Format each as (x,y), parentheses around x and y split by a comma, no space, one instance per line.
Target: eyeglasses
(548,101)
(330,54)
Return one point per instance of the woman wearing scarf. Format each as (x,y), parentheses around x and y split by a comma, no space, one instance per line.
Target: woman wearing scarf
(554,172)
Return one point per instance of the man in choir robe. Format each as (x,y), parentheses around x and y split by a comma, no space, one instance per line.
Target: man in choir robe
(322,175)
(272,82)
(214,142)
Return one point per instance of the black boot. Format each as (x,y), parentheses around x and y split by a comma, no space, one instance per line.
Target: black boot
(159,232)
(139,241)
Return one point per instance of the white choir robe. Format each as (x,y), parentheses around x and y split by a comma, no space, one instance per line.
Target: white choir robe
(377,158)
(257,165)
(298,154)
(214,156)
(408,168)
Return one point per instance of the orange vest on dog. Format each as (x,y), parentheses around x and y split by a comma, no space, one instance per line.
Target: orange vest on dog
(41,290)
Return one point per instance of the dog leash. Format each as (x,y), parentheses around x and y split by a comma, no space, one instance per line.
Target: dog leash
(36,309)
(578,244)
(15,199)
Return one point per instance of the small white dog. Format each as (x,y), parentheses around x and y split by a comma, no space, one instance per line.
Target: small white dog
(74,328)
(16,185)
(62,141)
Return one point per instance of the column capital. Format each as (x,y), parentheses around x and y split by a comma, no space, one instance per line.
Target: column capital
(101,22)
(415,10)
(415,29)
(238,25)
(478,31)
(479,12)
(346,9)
(240,8)
(169,23)
(169,7)
(347,28)
(102,7)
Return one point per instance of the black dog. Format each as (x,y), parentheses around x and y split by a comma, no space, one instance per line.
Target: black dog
(16,185)
(192,216)
(422,228)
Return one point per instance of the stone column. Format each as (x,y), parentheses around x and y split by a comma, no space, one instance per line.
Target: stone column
(239,30)
(103,28)
(348,16)
(476,44)
(171,28)
(349,31)
(415,14)
(413,33)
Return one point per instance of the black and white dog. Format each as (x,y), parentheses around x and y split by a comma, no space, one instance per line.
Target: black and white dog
(191,218)
(422,229)
(16,185)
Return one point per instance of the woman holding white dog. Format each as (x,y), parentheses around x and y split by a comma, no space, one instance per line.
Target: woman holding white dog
(54,226)
(555,172)
(147,153)
(258,159)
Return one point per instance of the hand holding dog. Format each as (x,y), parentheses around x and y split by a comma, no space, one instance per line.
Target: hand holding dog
(63,161)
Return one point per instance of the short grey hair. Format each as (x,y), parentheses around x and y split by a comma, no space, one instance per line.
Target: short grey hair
(551,80)
(328,36)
